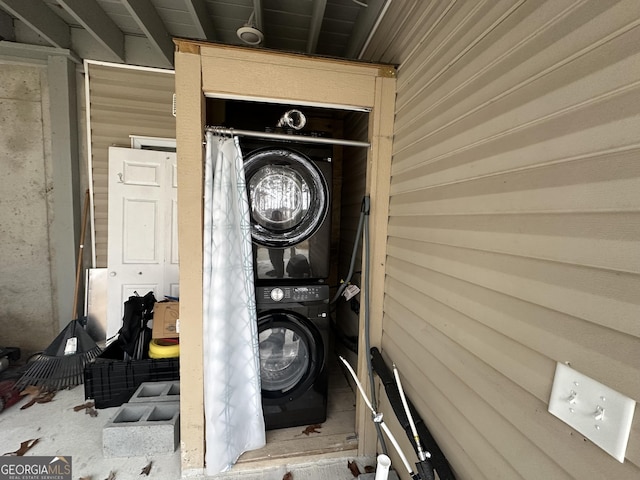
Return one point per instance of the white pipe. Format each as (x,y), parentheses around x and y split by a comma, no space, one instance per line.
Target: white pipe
(384,427)
(416,438)
(382,468)
(395,444)
(358,384)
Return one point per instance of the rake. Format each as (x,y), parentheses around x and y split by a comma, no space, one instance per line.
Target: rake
(62,363)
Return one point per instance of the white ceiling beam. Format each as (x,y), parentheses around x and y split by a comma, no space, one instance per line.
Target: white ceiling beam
(89,14)
(151,24)
(317,16)
(40,19)
(201,19)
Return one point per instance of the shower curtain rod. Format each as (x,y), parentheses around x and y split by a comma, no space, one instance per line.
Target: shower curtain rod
(284,136)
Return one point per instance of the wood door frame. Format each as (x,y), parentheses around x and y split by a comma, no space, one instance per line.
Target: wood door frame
(216,70)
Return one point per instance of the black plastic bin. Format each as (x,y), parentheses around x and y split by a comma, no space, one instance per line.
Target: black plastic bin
(110,380)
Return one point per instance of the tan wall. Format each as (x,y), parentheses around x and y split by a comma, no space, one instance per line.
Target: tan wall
(514,232)
(123,102)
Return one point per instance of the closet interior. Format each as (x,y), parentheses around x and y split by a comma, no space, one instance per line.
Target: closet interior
(335,436)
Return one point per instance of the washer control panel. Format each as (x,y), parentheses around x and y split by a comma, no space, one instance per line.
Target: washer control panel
(292,294)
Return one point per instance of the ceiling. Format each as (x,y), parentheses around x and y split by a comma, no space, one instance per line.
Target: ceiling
(335,28)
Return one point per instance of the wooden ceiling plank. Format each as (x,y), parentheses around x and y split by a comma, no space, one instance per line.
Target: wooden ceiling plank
(7,32)
(40,19)
(201,19)
(364,24)
(93,18)
(151,24)
(315,25)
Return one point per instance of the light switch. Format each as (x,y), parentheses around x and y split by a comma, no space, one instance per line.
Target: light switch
(598,412)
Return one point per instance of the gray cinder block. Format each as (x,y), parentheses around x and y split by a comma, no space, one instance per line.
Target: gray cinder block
(157,392)
(139,429)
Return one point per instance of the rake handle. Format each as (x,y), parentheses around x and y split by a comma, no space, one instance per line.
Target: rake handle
(85,212)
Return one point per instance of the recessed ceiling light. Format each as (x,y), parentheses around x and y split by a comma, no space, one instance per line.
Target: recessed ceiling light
(250,35)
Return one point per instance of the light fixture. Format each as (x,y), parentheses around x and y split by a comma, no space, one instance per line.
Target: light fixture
(249,34)
(292,118)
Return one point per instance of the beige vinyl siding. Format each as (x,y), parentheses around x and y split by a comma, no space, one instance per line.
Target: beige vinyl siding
(514,227)
(123,102)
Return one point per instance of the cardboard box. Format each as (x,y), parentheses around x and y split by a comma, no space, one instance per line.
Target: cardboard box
(165,320)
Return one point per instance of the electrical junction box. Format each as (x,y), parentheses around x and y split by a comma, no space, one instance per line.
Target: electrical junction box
(598,412)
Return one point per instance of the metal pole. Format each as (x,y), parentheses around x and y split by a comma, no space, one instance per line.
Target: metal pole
(284,136)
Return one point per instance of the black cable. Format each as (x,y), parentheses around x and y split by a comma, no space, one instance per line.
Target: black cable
(364,212)
(364,226)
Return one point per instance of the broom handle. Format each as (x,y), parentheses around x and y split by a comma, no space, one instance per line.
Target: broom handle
(85,211)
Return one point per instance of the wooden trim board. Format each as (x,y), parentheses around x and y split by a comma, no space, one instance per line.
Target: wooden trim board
(207,69)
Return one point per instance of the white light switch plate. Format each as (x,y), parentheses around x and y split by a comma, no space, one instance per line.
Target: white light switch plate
(598,412)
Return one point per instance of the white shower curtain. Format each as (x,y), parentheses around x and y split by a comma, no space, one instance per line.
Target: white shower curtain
(233,409)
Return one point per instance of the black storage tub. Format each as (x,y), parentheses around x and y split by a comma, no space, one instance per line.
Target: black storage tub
(110,380)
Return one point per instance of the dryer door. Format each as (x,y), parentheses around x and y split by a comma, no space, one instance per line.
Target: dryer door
(288,197)
(291,354)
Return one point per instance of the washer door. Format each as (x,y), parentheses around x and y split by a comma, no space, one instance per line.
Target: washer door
(288,197)
(291,354)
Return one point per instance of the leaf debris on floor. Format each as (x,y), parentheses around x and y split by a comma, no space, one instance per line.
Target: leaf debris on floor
(84,406)
(88,409)
(311,429)
(355,470)
(353,467)
(24,448)
(37,394)
(147,469)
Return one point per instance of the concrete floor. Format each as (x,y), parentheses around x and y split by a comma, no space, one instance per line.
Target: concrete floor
(62,431)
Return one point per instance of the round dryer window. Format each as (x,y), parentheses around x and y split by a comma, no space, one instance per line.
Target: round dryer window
(287,195)
(289,354)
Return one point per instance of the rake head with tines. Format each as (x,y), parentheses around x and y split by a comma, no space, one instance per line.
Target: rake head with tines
(62,363)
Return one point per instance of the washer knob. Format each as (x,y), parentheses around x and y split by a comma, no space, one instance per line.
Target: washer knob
(277,294)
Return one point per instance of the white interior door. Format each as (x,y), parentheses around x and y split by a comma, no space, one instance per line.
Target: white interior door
(142,237)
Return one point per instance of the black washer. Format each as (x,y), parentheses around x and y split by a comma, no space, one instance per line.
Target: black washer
(293,333)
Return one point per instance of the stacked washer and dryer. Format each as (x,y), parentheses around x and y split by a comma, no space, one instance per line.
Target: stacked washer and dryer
(289,188)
